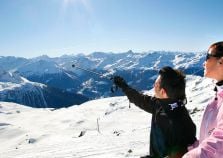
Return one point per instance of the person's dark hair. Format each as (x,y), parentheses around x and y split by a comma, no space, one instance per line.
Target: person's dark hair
(216,49)
(173,81)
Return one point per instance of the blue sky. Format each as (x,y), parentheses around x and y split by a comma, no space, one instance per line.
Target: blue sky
(30,28)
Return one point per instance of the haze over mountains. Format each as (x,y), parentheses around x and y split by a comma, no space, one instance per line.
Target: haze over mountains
(53,82)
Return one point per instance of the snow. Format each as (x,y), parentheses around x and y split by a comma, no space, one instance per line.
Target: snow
(103,128)
(10,77)
(40,67)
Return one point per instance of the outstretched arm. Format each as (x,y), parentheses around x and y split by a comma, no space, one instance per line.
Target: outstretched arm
(145,102)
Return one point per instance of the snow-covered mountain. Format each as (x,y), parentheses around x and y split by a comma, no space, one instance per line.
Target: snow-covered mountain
(139,69)
(14,88)
(11,63)
(104,128)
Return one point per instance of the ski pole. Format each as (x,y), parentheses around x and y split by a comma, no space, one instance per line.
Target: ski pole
(113,88)
(93,72)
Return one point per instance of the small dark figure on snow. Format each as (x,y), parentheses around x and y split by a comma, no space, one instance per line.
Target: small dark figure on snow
(172,129)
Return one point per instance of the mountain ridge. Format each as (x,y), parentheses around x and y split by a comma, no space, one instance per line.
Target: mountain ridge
(138,69)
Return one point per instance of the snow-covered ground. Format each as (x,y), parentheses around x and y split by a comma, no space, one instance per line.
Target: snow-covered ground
(104,128)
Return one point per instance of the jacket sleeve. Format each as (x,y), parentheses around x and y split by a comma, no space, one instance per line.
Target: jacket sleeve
(210,147)
(145,102)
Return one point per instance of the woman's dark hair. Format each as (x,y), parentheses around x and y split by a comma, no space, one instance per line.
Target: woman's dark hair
(216,49)
(173,81)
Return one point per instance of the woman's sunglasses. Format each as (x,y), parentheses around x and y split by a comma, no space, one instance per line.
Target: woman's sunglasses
(208,56)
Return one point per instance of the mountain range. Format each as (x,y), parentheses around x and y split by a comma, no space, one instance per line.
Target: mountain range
(53,82)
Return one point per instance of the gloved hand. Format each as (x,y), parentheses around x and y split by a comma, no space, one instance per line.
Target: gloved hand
(120,82)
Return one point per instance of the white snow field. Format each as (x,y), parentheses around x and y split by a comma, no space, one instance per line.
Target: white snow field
(103,128)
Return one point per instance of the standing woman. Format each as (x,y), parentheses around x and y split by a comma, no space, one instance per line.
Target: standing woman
(211,132)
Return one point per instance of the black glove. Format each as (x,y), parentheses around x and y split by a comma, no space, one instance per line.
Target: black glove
(120,82)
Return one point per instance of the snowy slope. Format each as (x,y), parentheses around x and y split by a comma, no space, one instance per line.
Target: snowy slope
(122,132)
(17,89)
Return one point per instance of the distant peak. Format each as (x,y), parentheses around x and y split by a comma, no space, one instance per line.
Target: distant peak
(42,57)
(130,51)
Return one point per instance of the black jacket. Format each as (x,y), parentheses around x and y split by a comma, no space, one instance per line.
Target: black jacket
(172,129)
